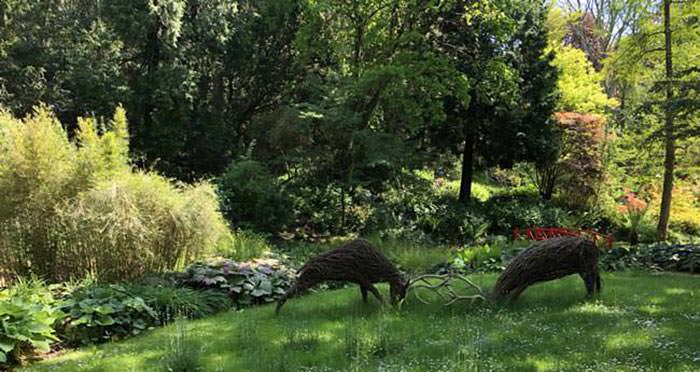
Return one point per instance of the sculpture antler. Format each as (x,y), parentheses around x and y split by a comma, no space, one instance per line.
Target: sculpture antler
(444,288)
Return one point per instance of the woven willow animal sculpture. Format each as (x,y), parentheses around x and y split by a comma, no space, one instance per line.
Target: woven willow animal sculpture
(548,260)
(356,262)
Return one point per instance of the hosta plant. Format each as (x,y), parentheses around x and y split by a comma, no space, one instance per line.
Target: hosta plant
(98,313)
(27,314)
(247,283)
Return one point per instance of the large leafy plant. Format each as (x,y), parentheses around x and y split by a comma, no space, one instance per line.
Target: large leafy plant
(98,313)
(247,283)
(27,314)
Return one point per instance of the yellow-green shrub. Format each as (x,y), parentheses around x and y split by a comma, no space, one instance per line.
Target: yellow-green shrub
(71,209)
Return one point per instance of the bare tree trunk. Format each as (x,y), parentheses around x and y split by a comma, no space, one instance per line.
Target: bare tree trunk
(670,157)
(465,186)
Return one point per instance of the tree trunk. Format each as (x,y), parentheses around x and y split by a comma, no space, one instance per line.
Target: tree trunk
(465,186)
(342,209)
(670,158)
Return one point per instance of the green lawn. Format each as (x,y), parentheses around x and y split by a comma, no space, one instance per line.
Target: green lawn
(642,322)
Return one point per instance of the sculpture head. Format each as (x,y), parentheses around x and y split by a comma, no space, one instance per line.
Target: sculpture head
(398,288)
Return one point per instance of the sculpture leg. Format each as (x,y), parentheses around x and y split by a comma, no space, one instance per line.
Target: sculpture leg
(375,292)
(589,280)
(363,289)
(514,294)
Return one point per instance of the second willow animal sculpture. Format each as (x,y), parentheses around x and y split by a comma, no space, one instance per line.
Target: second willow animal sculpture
(548,260)
(356,262)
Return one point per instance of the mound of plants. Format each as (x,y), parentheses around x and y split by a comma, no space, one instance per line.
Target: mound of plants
(247,283)
(74,207)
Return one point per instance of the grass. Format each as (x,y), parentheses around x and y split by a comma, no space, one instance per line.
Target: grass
(641,322)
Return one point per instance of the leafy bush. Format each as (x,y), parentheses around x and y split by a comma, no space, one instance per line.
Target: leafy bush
(492,255)
(256,282)
(319,209)
(481,258)
(508,212)
(252,197)
(98,313)
(27,313)
(410,256)
(415,212)
(135,225)
(70,209)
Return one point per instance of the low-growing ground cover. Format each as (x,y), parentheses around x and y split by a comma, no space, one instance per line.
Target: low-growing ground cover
(641,322)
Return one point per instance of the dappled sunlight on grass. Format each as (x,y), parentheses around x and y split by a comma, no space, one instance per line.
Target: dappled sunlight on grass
(598,308)
(630,339)
(552,327)
(678,291)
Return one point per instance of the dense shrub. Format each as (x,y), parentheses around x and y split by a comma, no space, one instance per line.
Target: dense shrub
(454,222)
(324,210)
(685,210)
(507,177)
(578,171)
(416,212)
(32,315)
(70,209)
(508,212)
(135,225)
(252,197)
(27,313)
(247,283)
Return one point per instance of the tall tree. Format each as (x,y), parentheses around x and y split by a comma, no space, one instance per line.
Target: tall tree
(656,64)
(669,135)
(500,48)
(537,136)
